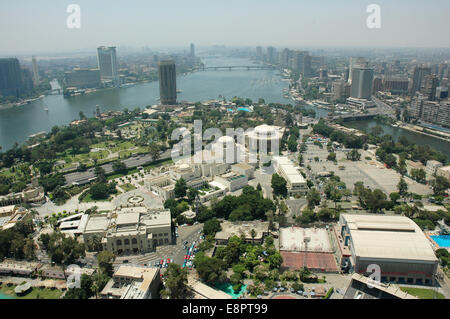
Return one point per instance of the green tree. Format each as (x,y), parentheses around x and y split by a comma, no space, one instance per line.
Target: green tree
(353,155)
(105,261)
(313,198)
(119,167)
(440,185)
(279,185)
(402,187)
(211,226)
(180,188)
(176,283)
(209,269)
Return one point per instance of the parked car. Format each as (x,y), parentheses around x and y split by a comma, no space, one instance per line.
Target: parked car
(125,261)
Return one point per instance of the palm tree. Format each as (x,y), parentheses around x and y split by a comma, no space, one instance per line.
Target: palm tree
(253,234)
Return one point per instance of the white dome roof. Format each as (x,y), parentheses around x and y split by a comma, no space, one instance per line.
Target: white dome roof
(184,166)
(225,139)
(264,129)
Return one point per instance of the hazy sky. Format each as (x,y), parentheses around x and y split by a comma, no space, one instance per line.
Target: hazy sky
(34,26)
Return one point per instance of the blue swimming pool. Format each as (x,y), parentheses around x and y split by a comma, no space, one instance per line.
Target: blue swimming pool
(442,240)
(3,296)
(243,109)
(228,288)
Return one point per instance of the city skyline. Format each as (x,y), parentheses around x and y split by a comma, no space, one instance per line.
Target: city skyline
(41,27)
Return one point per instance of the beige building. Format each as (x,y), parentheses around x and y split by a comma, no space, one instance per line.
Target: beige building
(295,182)
(395,243)
(432,167)
(230,229)
(131,230)
(444,172)
(243,169)
(232,181)
(131,282)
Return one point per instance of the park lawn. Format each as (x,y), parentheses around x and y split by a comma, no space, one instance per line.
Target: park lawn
(422,293)
(127,187)
(35,293)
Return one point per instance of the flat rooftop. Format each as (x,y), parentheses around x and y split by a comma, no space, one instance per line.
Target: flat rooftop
(204,291)
(230,229)
(127,218)
(97,223)
(293,239)
(137,273)
(388,237)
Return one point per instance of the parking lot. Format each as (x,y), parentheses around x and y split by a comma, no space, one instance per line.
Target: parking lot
(371,172)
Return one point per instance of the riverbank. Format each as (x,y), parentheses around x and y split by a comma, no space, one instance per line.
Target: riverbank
(22,102)
(419,129)
(396,132)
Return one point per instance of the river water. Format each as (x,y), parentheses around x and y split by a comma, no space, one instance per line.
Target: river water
(396,132)
(17,123)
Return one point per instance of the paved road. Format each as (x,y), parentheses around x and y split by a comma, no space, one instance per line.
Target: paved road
(131,162)
(175,252)
(263,176)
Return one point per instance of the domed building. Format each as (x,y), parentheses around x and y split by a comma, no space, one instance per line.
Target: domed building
(264,140)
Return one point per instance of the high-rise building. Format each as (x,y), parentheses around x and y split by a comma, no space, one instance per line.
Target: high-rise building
(346,75)
(11,82)
(441,93)
(377,84)
(83,78)
(362,79)
(429,85)
(430,111)
(299,59)
(340,90)
(259,54)
(271,55)
(192,53)
(419,73)
(36,79)
(355,62)
(323,74)
(285,57)
(167,82)
(396,85)
(107,63)
(306,67)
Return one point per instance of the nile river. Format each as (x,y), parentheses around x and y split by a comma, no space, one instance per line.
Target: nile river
(17,123)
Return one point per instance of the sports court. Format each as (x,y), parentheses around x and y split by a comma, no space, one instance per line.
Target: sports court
(305,239)
(307,247)
(314,261)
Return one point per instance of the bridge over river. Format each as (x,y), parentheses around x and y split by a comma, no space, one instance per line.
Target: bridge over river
(236,67)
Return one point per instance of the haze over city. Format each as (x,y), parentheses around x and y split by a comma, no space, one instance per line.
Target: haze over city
(251,149)
(40,26)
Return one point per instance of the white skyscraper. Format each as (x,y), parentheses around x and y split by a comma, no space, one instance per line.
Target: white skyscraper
(107,63)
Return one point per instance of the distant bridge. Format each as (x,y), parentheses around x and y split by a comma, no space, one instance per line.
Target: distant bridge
(355,117)
(236,67)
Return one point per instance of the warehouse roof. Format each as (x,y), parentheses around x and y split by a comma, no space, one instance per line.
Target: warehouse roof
(388,237)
